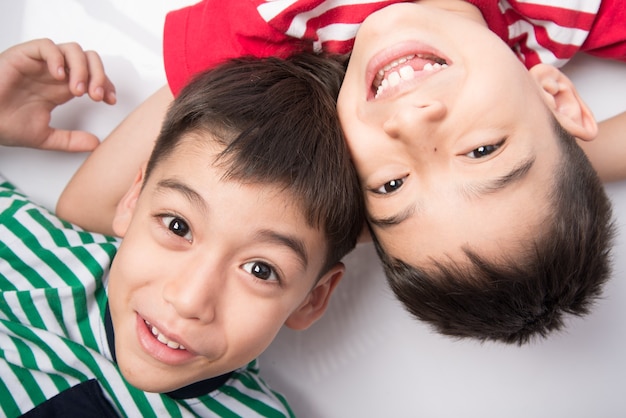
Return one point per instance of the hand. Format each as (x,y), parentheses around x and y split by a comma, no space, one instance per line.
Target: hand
(37,76)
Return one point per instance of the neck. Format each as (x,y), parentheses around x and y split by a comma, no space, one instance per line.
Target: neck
(459,7)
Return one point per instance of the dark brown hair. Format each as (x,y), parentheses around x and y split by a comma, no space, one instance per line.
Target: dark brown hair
(561,272)
(277,121)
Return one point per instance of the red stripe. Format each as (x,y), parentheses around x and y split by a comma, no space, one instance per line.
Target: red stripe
(561,16)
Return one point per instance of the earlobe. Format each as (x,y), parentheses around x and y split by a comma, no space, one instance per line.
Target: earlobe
(563,100)
(126,206)
(316,302)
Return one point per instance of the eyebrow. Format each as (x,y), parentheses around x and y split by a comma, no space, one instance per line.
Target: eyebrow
(293,243)
(394,219)
(191,195)
(496,184)
(491,186)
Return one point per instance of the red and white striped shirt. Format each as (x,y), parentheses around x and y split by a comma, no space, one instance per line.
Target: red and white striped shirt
(201,36)
(552,31)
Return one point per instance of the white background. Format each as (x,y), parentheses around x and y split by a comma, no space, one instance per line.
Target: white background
(366,357)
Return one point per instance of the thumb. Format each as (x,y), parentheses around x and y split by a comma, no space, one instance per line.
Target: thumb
(70,141)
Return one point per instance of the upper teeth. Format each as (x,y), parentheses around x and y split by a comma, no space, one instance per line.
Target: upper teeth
(163,339)
(387,78)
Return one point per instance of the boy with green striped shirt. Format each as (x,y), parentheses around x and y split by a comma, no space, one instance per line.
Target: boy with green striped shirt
(235,226)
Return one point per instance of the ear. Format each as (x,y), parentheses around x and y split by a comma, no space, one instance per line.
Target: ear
(126,206)
(315,303)
(564,102)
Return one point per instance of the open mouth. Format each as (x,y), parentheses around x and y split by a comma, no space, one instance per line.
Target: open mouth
(404,69)
(162,338)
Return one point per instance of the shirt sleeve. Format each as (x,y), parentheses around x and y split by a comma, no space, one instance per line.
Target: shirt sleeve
(203,35)
(607,38)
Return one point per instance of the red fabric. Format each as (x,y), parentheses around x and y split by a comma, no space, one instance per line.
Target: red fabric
(608,38)
(201,36)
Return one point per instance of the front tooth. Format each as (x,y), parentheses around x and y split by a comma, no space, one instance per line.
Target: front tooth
(161,338)
(407,73)
(394,79)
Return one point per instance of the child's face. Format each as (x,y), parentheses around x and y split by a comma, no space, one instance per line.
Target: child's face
(459,153)
(208,271)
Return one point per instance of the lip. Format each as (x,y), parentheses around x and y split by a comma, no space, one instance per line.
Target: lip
(388,54)
(158,350)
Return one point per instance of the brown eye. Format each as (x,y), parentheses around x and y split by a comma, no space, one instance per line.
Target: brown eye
(260,270)
(483,151)
(390,186)
(177,226)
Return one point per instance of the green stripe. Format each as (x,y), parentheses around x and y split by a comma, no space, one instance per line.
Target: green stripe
(7,310)
(29,383)
(219,409)
(80,300)
(25,270)
(255,404)
(173,407)
(57,234)
(57,363)
(139,397)
(30,310)
(29,361)
(250,382)
(8,405)
(56,306)
(7,185)
(5,284)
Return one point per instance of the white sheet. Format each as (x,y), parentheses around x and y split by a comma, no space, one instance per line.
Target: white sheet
(366,357)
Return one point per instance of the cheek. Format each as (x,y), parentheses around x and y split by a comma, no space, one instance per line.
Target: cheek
(363,147)
(252,329)
(133,268)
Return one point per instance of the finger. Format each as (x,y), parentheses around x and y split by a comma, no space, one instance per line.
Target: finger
(47,51)
(100,87)
(76,63)
(70,141)
(110,96)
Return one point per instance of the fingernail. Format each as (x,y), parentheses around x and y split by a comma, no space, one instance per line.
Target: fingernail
(80,87)
(99,93)
(61,71)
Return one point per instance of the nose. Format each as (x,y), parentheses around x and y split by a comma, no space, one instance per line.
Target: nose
(194,293)
(415,120)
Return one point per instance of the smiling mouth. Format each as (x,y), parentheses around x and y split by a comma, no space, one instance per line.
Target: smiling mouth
(404,69)
(162,338)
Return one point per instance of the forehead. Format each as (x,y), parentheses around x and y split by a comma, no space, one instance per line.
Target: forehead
(193,177)
(197,162)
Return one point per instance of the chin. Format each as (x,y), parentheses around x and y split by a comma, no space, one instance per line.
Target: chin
(149,382)
(153,386)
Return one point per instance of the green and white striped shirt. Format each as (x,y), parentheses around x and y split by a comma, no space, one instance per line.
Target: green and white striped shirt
(53,279)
